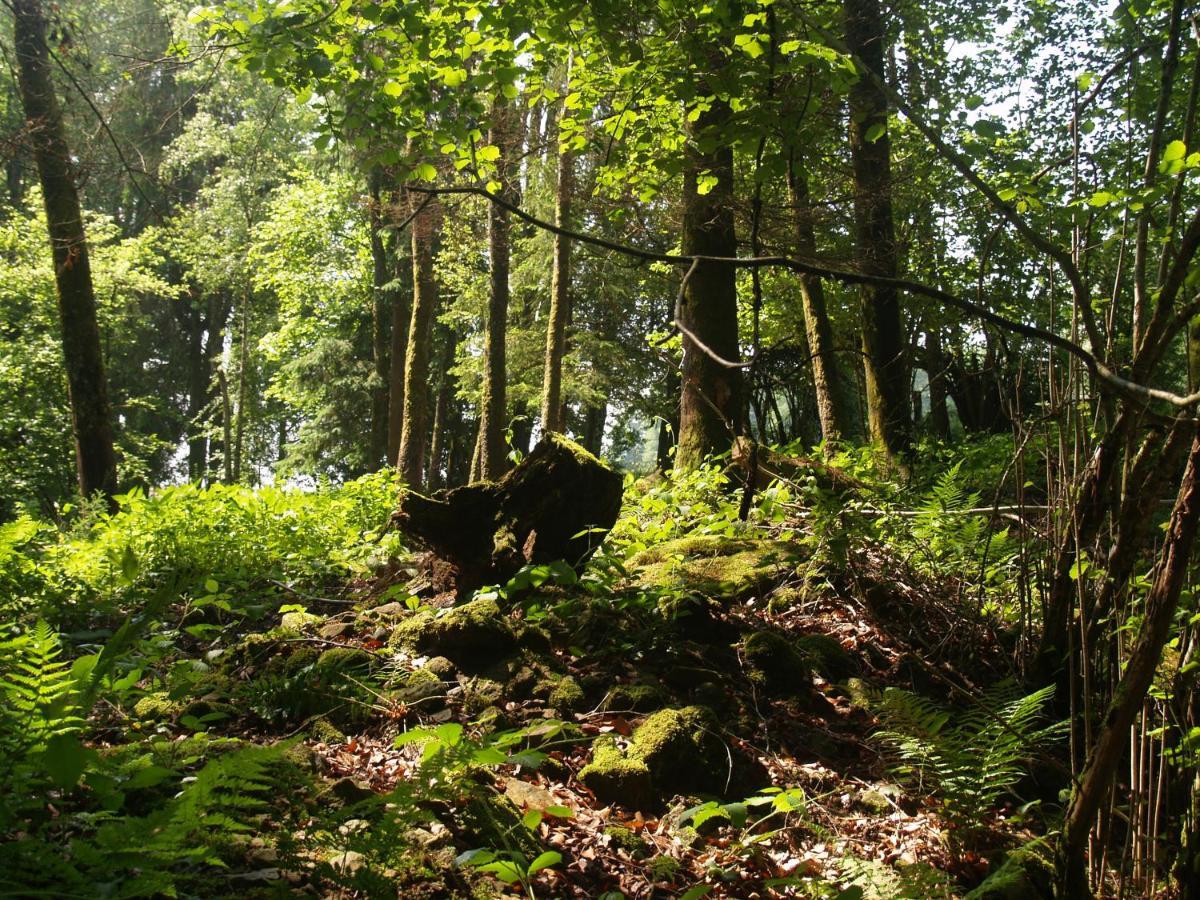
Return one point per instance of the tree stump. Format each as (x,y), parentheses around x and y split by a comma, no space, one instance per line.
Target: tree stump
(558,503)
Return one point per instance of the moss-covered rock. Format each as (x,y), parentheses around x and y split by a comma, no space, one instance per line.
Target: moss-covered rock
(642,698)
(714,565)
(299,620)
(471,636)
(157,707)
(1027,874)
(321,729)
(341,660)
(567,696)
(481,693)
(673,751)
(616,778)
(628,840)
(775,664)
(827,655)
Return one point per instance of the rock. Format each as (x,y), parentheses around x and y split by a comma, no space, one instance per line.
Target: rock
(157,707)
(348,862)
(347,792)
(567,696)
(628,840)
(472,635)
(879,798)
(1027,874)
(332,630)
(673,751)
(325,731)
(528,796)
(555,505)
(827,655)
(298,620)
(716,566)
(776,664)
(642,698)
(441,667)
(420,685)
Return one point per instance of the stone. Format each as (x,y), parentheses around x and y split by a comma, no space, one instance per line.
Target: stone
(471,636)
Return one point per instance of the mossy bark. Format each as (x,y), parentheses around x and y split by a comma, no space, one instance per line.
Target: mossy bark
(545,509)
(413,431)
(87,388)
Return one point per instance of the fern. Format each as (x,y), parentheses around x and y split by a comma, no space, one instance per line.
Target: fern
(969,761)
(37,704)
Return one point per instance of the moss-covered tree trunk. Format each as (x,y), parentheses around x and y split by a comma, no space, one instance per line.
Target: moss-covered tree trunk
(413,433)
(711,399)
(87,389)
(380,314)
(493,404)
(888,410)
(441,412)
(401,308)
(560,300)
(834,406)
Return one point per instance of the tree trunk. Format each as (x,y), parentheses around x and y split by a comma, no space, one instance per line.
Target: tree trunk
(401,321)
(226,426)
(441,410)
(1159,613)
(593,428)
(935,367)
(832,392)
(710,408)
(493,458)
(198,394)
(560,301)
(870,149)
(416,365)
(87,389)
(243,386)
(378,450)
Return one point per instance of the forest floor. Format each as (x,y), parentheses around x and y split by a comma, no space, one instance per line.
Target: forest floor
(695,716)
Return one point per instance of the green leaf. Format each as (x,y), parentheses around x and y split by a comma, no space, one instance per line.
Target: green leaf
(489,153)
(1174,150)
(64,760)
(532,819)
(544,861)
(696,892)
(875,132)
(211,585)
(148,777)
(1101,198)
(974,101)
(424,172)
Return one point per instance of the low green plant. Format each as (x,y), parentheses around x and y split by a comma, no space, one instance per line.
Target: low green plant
(967,761)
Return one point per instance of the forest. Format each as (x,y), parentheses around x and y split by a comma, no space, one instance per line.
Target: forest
(673,449)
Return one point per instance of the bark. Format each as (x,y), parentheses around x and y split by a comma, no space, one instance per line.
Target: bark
(594,420)
(493,455)
(226,426)
(441,412)
(198,394)
(546,509)
(401,321)
(711,401)
(87,389)
(870,148)
(560,300)
(935,367)
(1159,613)
(243,386)
(416,365)
(380,313)
(834,407)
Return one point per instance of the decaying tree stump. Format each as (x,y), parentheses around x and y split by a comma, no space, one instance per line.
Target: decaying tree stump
(558,503)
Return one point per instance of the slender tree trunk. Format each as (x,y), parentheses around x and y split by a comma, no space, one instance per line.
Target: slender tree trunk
(593,428)
(378,451)
(398,355)
(492,454)
(711,401)
(416,366)
(560,301)
(441,411)
(226,426)
(870,148)
(87,389)
(243,385)
(939,411)
(1159,613)
(834,407)
(198,395)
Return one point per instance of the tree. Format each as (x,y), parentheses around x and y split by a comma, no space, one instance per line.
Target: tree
(91,416)
(553,418)
(888,410)
(426,218)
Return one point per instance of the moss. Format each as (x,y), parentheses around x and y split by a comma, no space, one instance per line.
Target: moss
(325,731)
(628,840)
(616,778)
(480,694)
(471,635)
(1028,872)
(420,685)
(567,696)
(641,698)
(299,620)
(292,664)
(664,868)
(775,663)
(828,656)
(339,660)
(714,565)
(156,707)
(682,750)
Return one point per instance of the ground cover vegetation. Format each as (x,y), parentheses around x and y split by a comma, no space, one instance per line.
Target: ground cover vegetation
(732,449)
